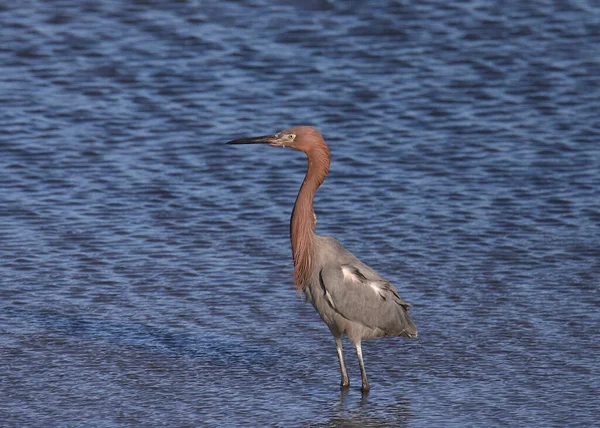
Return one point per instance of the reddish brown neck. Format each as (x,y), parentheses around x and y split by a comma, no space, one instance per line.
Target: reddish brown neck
(303,222)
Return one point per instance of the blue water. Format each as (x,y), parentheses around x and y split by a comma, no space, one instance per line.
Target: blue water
(145,269)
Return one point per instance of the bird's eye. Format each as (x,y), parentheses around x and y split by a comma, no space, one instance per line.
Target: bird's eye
(291,137)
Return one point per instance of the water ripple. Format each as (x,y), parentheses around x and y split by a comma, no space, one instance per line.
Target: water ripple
(146,270)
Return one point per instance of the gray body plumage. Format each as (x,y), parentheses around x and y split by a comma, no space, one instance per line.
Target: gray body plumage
(352,298)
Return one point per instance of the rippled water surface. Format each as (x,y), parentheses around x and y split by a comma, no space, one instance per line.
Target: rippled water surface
(145,266)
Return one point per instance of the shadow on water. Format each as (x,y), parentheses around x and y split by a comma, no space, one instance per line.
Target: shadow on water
(206,363)
(212,349)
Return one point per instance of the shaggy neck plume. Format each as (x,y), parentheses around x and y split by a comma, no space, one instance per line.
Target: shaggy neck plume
(303,222)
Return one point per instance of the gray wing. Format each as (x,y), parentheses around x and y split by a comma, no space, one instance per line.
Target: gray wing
(359,294)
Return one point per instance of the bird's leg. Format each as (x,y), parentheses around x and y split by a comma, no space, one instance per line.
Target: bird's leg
(338,345)
(363,373)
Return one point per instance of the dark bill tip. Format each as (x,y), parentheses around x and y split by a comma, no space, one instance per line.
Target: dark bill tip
(265,139)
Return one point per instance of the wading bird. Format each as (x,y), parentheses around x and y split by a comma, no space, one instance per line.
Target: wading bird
(349,296)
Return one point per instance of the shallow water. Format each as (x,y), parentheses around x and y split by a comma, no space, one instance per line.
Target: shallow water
(145,266)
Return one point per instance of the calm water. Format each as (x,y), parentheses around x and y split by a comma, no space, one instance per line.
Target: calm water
(145,269)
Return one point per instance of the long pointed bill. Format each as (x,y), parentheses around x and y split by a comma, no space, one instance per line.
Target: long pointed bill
(265,139)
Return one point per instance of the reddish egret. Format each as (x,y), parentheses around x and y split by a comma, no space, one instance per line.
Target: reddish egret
(349,296)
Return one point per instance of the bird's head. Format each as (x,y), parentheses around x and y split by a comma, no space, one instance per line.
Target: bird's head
(300,138)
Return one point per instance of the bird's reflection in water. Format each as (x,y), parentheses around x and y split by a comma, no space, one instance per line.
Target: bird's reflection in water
(353,410)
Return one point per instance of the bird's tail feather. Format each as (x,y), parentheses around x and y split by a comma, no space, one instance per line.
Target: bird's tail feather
(410,329)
